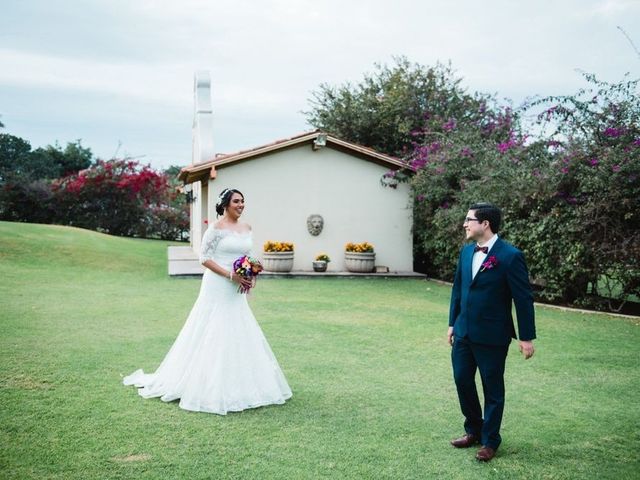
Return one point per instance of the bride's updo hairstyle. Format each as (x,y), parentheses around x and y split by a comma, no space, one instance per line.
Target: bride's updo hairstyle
(224,198)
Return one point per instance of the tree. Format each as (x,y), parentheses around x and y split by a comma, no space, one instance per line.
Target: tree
(25,176)
(19,163)
(385,109)
(14,157)
(172,172)
(62,162)
(23,197)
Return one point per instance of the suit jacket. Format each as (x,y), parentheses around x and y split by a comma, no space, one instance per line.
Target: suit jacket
(481,307)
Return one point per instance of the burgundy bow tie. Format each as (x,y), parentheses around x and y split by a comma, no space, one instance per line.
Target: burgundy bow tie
(480,249)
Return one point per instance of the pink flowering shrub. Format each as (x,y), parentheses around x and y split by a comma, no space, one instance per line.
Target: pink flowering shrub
(121,197)
(595,208)
(570,196)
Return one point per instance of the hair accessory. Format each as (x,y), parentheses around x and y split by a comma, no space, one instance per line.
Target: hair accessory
(221,197)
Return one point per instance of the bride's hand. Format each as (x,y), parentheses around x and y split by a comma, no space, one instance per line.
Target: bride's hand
(243,281)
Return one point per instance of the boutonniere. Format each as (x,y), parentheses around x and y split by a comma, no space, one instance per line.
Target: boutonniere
(491,262)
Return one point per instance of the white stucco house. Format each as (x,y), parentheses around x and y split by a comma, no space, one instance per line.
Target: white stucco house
(287,181)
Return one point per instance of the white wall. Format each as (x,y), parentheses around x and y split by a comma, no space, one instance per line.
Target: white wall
(195,210)
(282,189)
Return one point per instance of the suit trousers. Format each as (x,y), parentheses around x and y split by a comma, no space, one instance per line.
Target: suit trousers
(466,358)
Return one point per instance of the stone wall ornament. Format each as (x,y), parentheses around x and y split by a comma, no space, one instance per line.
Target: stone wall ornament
(315,223)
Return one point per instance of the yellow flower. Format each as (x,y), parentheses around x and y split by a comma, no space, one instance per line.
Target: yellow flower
(270,246)
(363,247)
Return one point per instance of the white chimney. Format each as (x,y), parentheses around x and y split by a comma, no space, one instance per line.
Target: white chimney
(202,118)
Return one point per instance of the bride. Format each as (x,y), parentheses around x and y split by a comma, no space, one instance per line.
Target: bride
(221,361)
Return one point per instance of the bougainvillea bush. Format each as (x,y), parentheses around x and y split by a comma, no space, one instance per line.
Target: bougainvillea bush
(570,195)
(120,197)
(594,208)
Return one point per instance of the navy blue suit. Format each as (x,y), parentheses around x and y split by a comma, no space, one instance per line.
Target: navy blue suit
(480,314)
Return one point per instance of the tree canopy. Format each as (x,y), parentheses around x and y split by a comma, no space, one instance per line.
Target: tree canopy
(18,163)
(385,109)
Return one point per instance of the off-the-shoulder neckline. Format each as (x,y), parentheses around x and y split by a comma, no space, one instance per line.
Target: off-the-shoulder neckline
(231,231)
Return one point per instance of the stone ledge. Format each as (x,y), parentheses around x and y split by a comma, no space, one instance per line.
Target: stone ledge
(183,262)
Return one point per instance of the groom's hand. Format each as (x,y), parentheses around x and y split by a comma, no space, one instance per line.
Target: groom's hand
(450,336)
(526,347)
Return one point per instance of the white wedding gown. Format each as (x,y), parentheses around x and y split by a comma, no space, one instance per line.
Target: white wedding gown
(221,361)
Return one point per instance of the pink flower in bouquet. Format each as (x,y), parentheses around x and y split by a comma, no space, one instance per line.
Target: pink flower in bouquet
(247,267)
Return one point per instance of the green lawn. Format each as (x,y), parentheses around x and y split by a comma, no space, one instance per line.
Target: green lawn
(366,359)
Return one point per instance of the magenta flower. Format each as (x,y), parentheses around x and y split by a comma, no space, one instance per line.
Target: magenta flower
(503,147)
(450,125)
(490,263)
(489,128)
(593,162)
(418,163)
(613,132)
(616,168)
(434,147)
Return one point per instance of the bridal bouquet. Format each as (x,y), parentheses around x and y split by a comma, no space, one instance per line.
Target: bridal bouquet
(247,267)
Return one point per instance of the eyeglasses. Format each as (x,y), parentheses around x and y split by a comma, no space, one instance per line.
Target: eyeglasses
(467,220)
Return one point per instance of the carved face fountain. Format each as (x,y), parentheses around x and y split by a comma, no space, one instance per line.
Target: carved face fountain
(315,223)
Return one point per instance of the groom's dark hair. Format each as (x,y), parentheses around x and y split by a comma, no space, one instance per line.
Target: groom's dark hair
(491,213)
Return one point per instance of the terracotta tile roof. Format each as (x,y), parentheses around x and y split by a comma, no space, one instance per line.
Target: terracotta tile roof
(202,170)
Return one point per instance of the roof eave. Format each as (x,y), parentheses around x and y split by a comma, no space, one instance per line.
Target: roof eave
(202,171)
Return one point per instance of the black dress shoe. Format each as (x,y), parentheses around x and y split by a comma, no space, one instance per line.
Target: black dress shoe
(485,454)
(465,441)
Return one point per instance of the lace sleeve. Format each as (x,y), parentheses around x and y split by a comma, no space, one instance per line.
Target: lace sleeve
(209,244)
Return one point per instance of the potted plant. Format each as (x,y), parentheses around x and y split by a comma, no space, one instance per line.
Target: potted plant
(359,257)
(320,263)
(277,256)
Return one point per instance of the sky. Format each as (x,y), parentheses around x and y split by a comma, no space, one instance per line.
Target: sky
(118,74)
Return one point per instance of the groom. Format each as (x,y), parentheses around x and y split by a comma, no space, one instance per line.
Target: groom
(491,274)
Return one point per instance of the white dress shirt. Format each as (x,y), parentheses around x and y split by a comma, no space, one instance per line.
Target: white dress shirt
(479,257)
